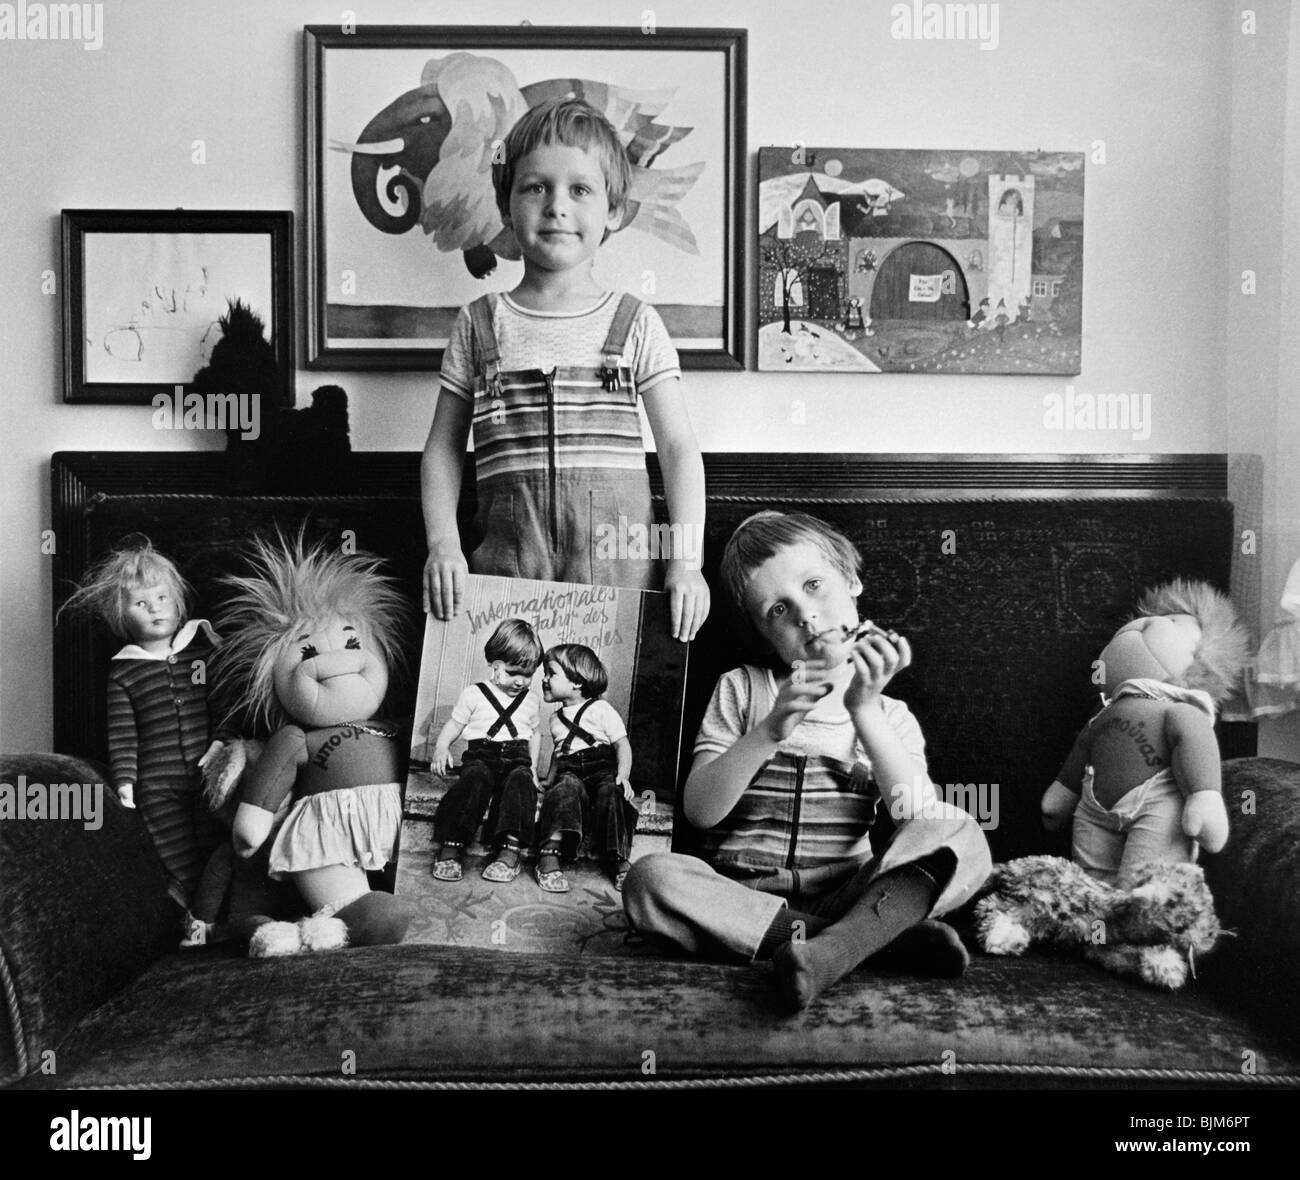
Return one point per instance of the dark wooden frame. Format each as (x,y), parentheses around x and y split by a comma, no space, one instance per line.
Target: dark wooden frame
(76,224)
(732,43)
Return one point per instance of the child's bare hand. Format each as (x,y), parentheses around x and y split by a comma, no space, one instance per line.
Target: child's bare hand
(445,574)
(212,751)
(126,793)
(796,700)
(688,600)
(628,793)
(440,763)
(876,661)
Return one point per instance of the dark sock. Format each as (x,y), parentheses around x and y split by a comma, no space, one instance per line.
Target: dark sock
(784,928)
(928,948)
(889,905)
(548,857)
(508,854)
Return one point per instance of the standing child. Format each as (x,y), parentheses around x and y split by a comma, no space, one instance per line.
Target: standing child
(788,769)
(550,377)
(499,718)
(588,783)
(159,732)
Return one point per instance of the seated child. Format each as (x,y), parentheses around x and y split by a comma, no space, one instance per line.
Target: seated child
(587,785)
(782,787)
(499,719)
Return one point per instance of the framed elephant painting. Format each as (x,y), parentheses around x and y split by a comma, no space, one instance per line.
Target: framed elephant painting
(403,123)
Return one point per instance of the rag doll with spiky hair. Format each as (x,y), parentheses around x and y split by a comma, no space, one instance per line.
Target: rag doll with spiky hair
(313,634)
(1143,780)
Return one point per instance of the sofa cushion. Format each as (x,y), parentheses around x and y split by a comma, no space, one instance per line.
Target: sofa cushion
(447,1014)
(82,910)
(1255,880)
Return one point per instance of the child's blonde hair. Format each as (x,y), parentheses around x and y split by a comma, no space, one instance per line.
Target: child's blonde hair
(760,537)
(573,123)
(290,587)
(106,588)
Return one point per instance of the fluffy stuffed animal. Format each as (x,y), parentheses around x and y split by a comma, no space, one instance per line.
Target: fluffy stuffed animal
(232,887)
(313,635)
(1143,780)
(1151,930)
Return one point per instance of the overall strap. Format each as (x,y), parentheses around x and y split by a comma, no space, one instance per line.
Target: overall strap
(575,727)
(619,330)
(487,352)
(503,715)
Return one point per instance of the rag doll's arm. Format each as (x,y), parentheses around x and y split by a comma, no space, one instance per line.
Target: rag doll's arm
(1194,756)
(268,785)
(123,742)
(1062,797)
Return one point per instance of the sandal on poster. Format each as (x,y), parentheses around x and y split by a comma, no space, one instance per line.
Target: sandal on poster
(550,877)
(448,868)
(505,867)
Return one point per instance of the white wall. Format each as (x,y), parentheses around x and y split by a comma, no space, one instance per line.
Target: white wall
(1155,81)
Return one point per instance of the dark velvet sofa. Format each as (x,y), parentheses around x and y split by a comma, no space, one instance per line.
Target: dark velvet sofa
(1007,574)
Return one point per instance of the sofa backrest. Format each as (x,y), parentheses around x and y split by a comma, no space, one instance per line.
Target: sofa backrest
(1007,578)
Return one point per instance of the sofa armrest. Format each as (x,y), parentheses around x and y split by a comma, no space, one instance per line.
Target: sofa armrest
(83,903)
(1256,885)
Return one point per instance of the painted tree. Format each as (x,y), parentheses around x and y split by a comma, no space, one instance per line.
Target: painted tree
(793,264)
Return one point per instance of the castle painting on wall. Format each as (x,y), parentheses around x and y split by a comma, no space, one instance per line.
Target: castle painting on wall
(903,261)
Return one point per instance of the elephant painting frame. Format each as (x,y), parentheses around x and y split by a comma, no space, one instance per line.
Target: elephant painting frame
(401,234)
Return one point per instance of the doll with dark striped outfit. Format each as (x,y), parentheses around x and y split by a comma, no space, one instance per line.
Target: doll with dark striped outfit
(587,787)
(159,731)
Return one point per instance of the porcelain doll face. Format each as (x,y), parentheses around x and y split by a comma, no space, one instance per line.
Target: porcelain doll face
(803,605)
(330,674)
(152,615)
(1162,647)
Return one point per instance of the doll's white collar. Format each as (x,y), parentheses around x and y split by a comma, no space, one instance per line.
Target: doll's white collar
(1159,690)
(180,641)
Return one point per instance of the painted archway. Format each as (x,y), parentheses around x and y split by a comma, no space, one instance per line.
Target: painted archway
(920,281)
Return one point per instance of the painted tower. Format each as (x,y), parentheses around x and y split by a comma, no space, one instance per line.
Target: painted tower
(1011,242)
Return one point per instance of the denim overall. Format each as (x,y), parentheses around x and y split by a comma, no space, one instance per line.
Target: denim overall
(563,492)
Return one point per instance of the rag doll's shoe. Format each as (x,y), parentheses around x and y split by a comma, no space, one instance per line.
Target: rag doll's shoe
(322,932)
(551,880)
(274,939)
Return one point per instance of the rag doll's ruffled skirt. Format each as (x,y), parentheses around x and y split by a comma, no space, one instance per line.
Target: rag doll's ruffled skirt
(353,826)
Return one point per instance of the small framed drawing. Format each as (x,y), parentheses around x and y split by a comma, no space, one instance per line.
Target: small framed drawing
(144,291)
(908,261)
(402,223)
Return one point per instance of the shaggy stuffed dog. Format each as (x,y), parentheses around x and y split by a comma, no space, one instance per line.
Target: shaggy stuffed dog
(1152,929)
